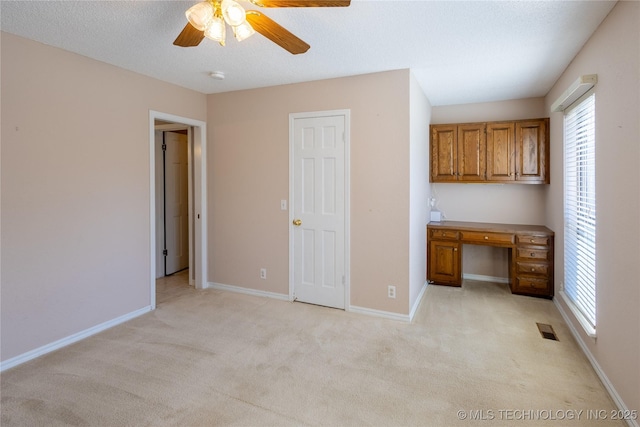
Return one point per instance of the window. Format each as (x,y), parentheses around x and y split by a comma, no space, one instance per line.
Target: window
(580,211)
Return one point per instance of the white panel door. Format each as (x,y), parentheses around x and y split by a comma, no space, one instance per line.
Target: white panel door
(318,161)
(176,202)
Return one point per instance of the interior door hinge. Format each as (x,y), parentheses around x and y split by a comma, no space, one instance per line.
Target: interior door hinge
(165,252)
(164,147)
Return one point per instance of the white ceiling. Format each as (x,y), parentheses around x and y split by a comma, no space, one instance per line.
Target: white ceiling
(460,52)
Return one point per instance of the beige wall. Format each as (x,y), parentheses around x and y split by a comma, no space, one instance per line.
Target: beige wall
(75,190)
(613,53)
(506,203)
(419,193)
(249,175)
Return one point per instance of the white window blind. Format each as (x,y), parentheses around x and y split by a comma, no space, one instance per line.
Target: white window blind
(580,208)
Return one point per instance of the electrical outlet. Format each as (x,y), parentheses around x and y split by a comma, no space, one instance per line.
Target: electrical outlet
(391,291)
(263,273)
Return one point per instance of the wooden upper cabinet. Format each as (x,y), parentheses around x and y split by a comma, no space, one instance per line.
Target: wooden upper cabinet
(472,152)
(532,151)
(444,153)
(501,150)
(506,152)
(458,152)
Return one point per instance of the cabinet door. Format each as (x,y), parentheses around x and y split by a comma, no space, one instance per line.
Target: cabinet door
(501,152)
(444,146)
(472,152)
(532,151)
(443,263)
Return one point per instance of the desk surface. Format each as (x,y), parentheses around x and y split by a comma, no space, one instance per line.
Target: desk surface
(492,227)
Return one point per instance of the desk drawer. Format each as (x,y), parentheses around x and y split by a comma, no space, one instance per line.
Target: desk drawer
(443,234)
(532,268)
(486,238)
(532,240)
(533,253)
(532,284)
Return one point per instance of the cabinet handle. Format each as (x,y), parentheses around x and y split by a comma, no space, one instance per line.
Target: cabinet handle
(531,240)
(533,269)
(533,254)
(486,237)
(455,249)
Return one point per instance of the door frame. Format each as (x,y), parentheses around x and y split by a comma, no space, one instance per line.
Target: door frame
(197,207)
(346,113)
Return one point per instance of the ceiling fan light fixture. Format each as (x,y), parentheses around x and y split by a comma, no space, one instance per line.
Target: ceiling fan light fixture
(216,30)
(233,13)
(200,15)
(243,31)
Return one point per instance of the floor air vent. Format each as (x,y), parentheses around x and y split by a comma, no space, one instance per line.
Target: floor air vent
(547,332)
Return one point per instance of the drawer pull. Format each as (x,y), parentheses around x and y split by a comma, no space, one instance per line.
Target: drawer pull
(533,254)
(532,240)
(533,269)
(486,237)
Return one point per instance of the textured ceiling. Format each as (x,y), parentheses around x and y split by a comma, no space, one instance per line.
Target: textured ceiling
(460,52)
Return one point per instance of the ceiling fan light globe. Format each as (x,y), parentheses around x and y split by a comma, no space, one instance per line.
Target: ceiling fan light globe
(216,30)
(233,13)
(243,31)
(200,15)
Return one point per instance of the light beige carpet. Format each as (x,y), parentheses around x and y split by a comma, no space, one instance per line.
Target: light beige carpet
(206,358)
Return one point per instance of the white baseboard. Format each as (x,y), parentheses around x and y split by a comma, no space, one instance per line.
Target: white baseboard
(48,348)
(247,291)
(416,304)
(283,297)
(379,313)
(481,278)
(596,366)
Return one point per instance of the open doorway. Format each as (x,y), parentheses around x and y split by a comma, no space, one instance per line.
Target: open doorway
(181,134)
(173,182)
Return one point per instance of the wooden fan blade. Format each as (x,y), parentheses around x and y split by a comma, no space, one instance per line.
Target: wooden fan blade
(301,3)
(276,33)
(190,36)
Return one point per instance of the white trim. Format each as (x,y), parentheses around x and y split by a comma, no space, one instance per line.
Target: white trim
(416,304)
(48,348)
(586,325)
(594,363)
(482,278)
(578,88)
(247,291)
(190,209)
(379,313)
(199,202)
(347,196)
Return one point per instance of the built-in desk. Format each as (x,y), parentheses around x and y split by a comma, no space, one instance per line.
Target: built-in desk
(530,253)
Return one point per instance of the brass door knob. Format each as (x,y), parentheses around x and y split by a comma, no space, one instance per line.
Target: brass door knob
(297,222)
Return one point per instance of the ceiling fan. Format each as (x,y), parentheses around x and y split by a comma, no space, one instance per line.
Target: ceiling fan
(208,18)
